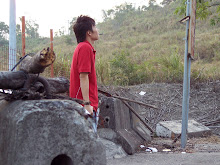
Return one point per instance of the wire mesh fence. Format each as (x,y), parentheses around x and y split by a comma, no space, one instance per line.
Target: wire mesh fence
(8,57)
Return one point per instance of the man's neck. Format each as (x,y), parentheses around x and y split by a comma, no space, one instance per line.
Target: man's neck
(90,41)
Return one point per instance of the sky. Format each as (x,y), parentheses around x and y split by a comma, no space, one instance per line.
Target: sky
(55,14)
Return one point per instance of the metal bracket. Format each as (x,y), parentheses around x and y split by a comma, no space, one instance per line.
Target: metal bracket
(184,19)
(189,56)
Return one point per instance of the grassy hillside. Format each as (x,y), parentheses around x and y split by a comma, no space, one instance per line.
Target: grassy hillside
(143,46)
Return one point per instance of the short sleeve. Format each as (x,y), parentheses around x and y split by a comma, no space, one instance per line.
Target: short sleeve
(84,59)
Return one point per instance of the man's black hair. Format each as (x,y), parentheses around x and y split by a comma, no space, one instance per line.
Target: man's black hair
(81,26)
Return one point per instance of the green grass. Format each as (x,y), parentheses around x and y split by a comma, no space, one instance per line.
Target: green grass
(143,47)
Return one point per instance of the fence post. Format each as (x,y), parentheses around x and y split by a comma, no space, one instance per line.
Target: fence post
(51,47)
(23,36)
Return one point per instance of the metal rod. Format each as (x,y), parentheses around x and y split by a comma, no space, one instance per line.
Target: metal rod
(186,84)
(141,103)
(51,47)
(126,99)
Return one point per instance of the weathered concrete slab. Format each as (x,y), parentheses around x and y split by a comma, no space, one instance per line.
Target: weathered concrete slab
(47,132)
(129,130)
(172,129)
(129,140)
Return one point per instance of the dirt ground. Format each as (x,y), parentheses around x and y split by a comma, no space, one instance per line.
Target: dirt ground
(204,103)
(204,107)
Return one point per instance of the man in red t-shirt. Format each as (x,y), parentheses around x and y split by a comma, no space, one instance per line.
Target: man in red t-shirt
(83,82)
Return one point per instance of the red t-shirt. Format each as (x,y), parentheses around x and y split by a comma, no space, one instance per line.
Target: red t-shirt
(84,61)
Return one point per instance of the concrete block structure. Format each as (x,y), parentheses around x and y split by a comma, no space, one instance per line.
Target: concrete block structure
(171,129)
(130,132)
(47,132)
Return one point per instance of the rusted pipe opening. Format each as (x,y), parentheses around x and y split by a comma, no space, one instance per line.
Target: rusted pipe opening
(62,160)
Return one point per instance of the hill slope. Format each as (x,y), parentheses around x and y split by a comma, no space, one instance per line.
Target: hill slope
(145,45)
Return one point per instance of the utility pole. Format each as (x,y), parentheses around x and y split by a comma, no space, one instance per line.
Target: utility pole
(12,35)
(190,20)
(186,82)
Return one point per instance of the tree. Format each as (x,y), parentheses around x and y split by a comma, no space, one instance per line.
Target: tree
(18,35)
(204,9)
(4,31)
(71,25)
(152,2)
(167,2)
(119,12)
(31,29)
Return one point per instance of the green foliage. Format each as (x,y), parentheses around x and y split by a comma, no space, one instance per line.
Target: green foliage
(4,30)
(71,25)
(216,18)
(31,29)
(122,68)
(142,45)
(103,70)
(203,9)
(119,13)
(62,65)
(167,2)
(68,40)
(172,66)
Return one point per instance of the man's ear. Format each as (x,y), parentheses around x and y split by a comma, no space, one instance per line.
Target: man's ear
(89,32)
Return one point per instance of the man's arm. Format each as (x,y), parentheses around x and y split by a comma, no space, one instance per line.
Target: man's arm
(84,84)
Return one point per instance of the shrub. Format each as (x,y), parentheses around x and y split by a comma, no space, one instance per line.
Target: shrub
(122,69)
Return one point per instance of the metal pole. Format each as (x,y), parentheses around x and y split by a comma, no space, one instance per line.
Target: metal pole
(12,35)
(23,35)
(186,84)
(51,47)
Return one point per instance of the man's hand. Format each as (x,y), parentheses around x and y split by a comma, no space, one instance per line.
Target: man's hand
(89,108)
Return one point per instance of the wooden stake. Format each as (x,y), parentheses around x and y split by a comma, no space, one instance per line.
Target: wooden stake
(51,47)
